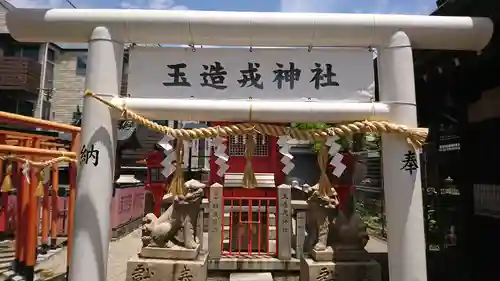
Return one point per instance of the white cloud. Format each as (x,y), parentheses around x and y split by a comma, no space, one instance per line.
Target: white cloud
(306,6)
(126,4)
(152,4)
(40,3)
(360,6)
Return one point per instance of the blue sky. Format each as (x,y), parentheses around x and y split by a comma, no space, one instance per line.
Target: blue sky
(336,6)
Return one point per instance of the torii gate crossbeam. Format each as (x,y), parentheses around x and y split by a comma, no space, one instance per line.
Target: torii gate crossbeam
(250,28)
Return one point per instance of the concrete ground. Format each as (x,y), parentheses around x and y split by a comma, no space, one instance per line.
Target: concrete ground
(121,250)
(376,245)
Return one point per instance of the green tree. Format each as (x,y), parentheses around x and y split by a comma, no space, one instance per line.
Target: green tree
(343,141)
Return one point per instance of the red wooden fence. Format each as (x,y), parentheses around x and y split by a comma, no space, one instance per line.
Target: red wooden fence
(249,222)
(127,205)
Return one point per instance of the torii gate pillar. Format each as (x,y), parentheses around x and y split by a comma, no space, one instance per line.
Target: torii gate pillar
(91,235)
(402,189)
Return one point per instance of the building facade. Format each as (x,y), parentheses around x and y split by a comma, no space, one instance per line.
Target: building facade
(26,73)
(458,97)
(69,85)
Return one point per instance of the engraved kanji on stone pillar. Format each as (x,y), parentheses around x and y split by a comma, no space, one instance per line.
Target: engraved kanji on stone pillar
(284,222)
(215,221)
(301,234)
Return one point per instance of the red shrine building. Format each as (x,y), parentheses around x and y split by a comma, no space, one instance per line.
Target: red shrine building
(265,163)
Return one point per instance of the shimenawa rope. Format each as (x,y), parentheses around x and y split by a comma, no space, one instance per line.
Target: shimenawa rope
(414,136)
(7,180)
(40,164)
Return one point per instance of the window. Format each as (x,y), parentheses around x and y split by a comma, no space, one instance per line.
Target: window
(46,110)
(162,122)
(49,77)
(155,175)
(16,50)
(10,51)
(8,104)
(48,84)
(51,55)
(237,145)
(25,108)
(18,106)
(81,64)
(202,153)
(49,71)
(31,52)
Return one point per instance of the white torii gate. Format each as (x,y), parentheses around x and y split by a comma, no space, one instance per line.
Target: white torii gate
(394,36)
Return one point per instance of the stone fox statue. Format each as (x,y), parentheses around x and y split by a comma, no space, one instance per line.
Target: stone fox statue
(329,226)
(176,226)
(321,214)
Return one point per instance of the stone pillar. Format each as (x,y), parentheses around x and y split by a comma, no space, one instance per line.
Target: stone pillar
(300,233)
(284,230)
(89,255)
(401,171)
(215,219)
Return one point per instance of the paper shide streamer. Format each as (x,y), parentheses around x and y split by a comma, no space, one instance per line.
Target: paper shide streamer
(222,157)
(337,157)
(170,157)
(287,157)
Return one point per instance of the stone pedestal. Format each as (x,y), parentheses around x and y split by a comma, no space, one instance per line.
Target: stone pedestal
(342,255)
(167,269)
(325,255)
(311,270)
(173,253)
